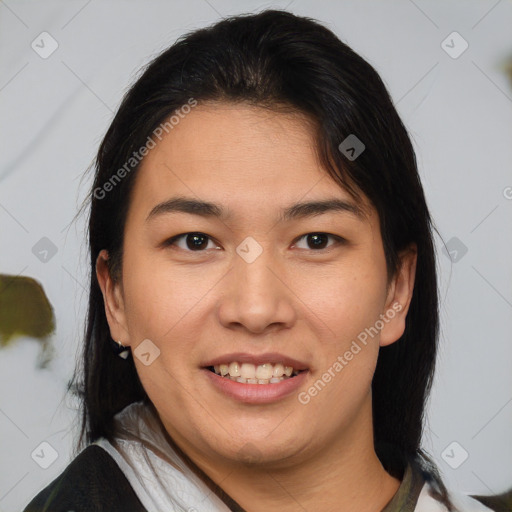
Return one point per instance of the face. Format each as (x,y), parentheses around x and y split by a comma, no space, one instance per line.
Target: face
(225,267)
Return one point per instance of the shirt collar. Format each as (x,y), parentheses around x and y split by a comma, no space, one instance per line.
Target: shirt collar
(406,498)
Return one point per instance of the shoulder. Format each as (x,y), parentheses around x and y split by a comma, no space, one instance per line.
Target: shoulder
(92,481)
(497,502)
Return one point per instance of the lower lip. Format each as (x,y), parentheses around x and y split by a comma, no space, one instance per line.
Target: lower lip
(256,393)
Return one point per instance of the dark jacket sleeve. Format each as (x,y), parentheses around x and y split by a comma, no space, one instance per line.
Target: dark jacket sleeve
(497,502)
(92,482)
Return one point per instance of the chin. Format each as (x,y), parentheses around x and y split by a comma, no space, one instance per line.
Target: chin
(279,452)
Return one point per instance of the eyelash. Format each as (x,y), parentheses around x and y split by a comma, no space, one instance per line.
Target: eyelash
(172,241)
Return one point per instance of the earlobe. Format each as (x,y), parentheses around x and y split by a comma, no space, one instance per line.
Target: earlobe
(399,297)
(113,300)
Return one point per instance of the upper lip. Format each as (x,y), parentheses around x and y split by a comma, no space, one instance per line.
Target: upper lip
(256,359)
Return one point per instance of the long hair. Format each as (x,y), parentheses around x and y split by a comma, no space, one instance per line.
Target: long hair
(279,61)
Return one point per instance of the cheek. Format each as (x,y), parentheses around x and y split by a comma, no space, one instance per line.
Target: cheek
(170,306)
(347,299)
(349,303)
(159,295)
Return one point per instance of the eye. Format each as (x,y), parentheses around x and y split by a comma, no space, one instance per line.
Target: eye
(318,241)
(196,242)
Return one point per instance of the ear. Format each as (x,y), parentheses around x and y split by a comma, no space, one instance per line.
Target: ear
(399,297)
(113,299)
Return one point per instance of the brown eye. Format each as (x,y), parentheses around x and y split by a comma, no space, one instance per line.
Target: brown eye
(318,241)
(196,242)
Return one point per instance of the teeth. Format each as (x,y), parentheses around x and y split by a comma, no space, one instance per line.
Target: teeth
(278,370)
(247,373)
(264,371)
(273,380)
(234,370)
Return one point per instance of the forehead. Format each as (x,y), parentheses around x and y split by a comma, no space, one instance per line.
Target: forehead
(238,139)
(247,156)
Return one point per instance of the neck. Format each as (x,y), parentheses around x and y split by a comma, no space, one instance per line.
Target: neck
(345,475)
(364,486)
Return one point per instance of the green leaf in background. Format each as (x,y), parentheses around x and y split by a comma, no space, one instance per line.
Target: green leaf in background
(26,311)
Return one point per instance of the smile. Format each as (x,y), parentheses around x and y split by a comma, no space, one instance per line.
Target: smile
(247,373)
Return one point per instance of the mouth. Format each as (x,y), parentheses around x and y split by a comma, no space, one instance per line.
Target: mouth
(260,383)
(248,373)
(263,378)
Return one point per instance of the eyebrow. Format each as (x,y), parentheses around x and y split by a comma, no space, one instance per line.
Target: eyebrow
(295,211)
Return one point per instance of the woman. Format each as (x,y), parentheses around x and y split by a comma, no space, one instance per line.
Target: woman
(263,320)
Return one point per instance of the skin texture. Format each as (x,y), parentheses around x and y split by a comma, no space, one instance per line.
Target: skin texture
(295,299)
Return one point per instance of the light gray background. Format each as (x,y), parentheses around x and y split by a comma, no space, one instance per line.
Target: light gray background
(54,112)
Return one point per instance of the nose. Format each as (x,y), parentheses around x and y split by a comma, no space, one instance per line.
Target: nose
(256,296)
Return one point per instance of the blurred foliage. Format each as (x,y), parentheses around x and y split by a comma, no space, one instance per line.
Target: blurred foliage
(26,311)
